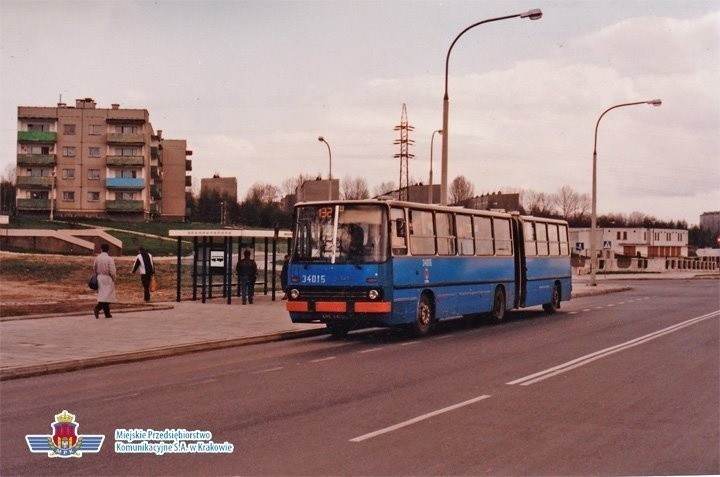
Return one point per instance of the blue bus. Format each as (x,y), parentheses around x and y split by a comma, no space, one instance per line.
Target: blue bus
(392,263)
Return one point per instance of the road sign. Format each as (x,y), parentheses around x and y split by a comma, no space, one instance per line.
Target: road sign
(607,244)
(579,246)
(217,259)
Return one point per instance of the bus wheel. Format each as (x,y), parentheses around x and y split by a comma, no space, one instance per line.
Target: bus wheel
(555,300)
(498,309)
(338,330)
(424,319)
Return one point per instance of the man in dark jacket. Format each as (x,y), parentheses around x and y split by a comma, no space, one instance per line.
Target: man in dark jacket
(247,274)
(144,265)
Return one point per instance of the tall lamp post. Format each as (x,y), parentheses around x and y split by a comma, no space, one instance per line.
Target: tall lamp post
(593,217)
(322,139)
(534,14)
(432,139)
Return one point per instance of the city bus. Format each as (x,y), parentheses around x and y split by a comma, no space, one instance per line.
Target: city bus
(384,262)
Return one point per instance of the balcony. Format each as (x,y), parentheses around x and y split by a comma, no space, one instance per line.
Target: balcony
(37,136)
(155,192)
(188,181)
(122,161)
(124,183)
(115,138)
(33,204)
(124,205)
(25,182)
(188,165)
(36,160)
(155,173)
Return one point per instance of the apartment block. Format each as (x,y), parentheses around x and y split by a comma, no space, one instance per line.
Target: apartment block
(86,161)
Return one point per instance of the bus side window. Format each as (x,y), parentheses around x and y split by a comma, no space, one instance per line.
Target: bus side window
(530,244)
(398,232)
(422,235)
(444,234)
(503,237)
(542,239)
(464,235)
(553,240)
(483,236)
(564,247)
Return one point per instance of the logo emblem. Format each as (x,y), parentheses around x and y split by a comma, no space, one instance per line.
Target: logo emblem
(64,441)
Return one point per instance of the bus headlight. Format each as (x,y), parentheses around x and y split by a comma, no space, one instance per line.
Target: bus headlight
(373,294)
(294,293)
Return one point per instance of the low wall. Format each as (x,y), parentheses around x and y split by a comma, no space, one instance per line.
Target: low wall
(67,241)
(581,265)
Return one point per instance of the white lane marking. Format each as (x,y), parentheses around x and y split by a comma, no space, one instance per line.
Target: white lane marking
(269,370)
(418,419)
(409,343)
(371,350)
(329,358)
(587,309)
(120,396)
(589,358)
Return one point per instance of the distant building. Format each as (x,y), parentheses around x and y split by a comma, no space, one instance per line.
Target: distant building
(417,193)
(319,189)
(710,221)
(224,186)
(85,161)
(632,242)
(496,201)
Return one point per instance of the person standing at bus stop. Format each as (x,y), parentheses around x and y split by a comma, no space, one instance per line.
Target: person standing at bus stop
(247,274)
(144,265)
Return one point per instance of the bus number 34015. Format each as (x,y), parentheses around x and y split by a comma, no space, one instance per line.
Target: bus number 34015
(312,279)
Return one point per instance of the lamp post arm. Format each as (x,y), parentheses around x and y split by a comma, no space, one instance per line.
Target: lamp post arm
(597,125)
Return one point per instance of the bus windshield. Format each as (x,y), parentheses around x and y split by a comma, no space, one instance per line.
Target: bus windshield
(334,233)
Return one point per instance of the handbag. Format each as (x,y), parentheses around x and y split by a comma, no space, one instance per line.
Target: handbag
(153,284)
(93,282)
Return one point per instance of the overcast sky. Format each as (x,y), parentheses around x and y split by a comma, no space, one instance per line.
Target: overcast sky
(252,84)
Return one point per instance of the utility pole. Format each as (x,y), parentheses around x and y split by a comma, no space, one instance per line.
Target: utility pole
(404,155)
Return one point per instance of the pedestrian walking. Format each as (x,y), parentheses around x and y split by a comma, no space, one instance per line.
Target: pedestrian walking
(144,265)
(104,268)
(284,276)
(247,274)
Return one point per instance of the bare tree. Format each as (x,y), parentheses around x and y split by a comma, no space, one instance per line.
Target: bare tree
(383,188)
(355,188)
(537,203)
(291,184)
(265,193)
(461,189)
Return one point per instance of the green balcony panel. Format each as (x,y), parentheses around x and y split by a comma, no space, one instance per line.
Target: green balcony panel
(30,181)
(121,161)
(37,136)
(33,204)
(36,160)
(115,138)
(124,205)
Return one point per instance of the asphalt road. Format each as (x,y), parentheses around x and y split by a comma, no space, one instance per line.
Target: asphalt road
(619,384)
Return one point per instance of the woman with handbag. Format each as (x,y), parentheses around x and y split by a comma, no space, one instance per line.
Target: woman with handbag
(104,268)
(144,264)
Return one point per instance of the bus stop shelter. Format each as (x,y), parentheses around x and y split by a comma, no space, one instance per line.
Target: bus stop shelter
(213,251)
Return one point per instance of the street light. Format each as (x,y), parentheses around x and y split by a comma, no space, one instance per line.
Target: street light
(432,139)
(534,14)
(593,217)
(322,139)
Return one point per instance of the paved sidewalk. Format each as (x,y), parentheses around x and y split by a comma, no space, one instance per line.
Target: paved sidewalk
(48,344)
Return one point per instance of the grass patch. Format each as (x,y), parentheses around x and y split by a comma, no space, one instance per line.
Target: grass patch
(12,268)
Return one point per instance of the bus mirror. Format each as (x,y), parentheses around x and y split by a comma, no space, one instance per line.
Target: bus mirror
(400,227)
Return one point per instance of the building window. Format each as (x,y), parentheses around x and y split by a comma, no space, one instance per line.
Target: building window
(125,195)
(93,196)
(95,129)
(69,151)
(126,129)
(624,235)
(94,152)
(126,174)
(39,194)
(93,174)
(68,196)
(39,150)
(38,127)
(68,173)
(127,151)
(69,129)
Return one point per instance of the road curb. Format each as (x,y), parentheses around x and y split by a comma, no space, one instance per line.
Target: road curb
(153,353)
(85,312)
(597,291)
